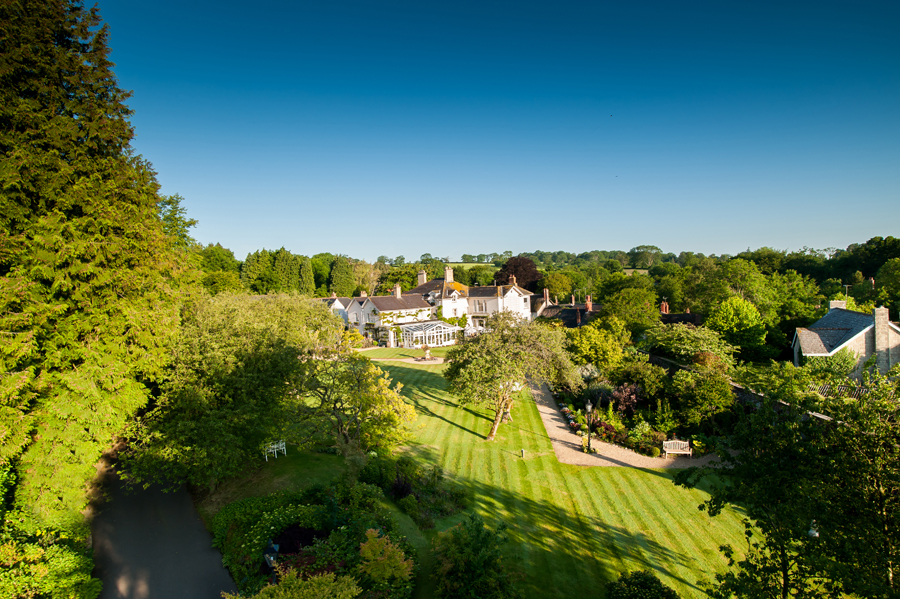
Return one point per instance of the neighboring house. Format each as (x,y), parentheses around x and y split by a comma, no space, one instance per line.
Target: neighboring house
(339,305)
(410,319)
(865,335)
(571,315)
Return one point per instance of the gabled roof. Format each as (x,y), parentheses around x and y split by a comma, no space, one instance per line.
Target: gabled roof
(569,314)
(440,288)
(831,332)
(497,291)
(388,303)
(344,301)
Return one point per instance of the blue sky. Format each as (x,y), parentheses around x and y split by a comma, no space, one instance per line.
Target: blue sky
(391,127)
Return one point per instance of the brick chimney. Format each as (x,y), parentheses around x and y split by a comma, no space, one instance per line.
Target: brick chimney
(363,293)
(573,300)
(837,304)
(333,294)
(588,305)
(423,277)
(397,290)
(577,317)
(882,340)
(512,279)
(872,281)
(664,308)
(448,274)
(546,296)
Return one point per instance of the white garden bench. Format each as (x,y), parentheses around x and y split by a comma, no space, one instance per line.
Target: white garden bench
(274,448)
(683,447)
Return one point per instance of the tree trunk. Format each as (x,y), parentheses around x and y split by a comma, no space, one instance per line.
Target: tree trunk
(498,417)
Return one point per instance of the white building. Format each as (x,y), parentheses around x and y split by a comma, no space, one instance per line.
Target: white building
(414,318)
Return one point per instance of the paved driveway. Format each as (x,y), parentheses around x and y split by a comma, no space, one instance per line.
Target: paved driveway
(153,545)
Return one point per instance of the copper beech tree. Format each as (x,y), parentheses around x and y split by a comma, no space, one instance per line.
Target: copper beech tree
(492,369)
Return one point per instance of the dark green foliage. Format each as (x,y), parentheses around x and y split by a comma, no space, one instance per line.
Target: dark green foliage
(342,513)
(90,284)
(637,308)
(639,585)
(470,562)
(341,280)
(422,494)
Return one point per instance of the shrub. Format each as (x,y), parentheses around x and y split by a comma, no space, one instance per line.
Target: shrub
(639,585)
(382,560)
(470,562)
(655,452)
(292,586)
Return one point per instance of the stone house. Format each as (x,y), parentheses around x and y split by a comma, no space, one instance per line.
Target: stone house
(865,335)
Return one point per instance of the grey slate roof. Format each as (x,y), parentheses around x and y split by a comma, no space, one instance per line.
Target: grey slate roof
(386,303)
(833,330)
(345,301)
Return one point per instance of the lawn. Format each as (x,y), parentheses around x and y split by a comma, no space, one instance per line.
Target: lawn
(395,353)
(573,528)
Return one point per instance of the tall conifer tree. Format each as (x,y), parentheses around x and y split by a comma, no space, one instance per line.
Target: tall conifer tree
(88,279)
(307,277)
(342,282)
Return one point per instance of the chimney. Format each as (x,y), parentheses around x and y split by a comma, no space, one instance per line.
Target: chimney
(577,317)
(588,305)
(872,281)
(512,279)
(837,304)
(448,274)
(687,310)
(546,296)
(422,277)
(664,308)
(573,300)
(397,290)
(882,340)
(333,294)
(363,293)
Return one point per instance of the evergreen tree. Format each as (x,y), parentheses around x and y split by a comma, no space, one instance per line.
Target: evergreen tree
(342,281)
(84,323)
(307,277)
(287,271)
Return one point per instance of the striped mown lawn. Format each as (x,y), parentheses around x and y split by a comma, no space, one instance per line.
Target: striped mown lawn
(573,528)
(393,353)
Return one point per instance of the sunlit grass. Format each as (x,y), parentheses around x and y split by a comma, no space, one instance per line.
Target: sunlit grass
(393,353)
(573,528)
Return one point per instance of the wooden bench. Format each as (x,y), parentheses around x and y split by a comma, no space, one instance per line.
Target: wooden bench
(683,447)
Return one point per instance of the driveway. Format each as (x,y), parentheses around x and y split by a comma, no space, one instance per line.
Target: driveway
(153,545)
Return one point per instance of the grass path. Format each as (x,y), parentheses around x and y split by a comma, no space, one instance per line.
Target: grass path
(573,528)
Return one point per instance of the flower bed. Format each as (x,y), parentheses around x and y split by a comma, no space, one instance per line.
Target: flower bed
(640,438)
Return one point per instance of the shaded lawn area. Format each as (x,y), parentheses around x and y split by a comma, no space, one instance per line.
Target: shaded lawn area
(573,528)
(394,353)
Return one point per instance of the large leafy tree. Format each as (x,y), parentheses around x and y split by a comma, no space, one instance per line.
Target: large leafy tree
(89,288)
(523,269)
(230,387)
(491,369)
(635,307)
(739,323)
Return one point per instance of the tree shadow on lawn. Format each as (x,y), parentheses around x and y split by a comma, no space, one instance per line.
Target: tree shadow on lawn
(574,551)
(429,387)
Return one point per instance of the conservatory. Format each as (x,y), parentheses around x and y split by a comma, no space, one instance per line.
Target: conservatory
(432,333)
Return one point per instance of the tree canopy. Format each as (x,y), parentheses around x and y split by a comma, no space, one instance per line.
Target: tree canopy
(491,369)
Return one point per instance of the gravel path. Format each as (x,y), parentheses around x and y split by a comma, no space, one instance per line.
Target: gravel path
(568,446)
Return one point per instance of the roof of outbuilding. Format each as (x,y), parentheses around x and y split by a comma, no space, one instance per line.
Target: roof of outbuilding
(832,331)
(345,301)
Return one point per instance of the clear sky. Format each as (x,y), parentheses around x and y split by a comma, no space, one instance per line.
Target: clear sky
(403,127)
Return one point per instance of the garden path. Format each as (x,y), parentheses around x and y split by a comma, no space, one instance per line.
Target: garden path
(568,445)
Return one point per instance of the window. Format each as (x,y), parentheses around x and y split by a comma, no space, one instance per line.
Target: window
(454,311)
(480,306)
(525,299)
(355,318)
